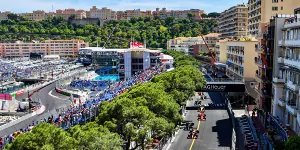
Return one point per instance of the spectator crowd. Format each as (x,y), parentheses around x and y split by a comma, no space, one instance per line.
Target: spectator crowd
(86,110)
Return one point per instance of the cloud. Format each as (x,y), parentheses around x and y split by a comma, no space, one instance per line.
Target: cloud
(30,5)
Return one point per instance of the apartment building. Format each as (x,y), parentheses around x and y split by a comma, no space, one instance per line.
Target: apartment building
(234,22)
(67,13)
(211,40)
(286,73)
(239,58)
(186,44)
(37,15)
(103,13)
(261,11)
(221,51)
(180,14)
(3,15)
(63,48)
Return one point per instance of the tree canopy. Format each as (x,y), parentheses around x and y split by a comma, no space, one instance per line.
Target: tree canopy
(144,113)
(293,143)
(155,32)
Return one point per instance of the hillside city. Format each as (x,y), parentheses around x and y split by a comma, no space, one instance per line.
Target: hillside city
(151,80)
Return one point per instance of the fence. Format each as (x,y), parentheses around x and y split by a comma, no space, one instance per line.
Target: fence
(160,145)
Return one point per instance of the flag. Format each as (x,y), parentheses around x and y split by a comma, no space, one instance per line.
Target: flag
(136,45)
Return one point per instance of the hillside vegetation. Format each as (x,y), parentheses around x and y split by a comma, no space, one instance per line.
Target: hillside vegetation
(154,31)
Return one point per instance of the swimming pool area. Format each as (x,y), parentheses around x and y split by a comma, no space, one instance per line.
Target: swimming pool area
(107,78)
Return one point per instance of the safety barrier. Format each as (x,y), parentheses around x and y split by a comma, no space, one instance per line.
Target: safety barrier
(163,141)
(25,117)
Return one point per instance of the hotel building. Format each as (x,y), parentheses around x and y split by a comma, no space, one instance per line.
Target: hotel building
(63,48)
(234,22)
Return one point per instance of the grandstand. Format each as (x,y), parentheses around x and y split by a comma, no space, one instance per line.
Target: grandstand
(88,84)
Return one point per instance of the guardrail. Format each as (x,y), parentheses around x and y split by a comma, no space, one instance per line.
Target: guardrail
(38,111)
(21,119)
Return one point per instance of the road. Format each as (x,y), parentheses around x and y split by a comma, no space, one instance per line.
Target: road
(51,102)
(214,133)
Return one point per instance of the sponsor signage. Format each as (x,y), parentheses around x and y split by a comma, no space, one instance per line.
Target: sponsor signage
(5,97)
(223,88)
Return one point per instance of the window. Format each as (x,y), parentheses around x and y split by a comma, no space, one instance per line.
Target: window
(281,7)
(275,8)
(274,1)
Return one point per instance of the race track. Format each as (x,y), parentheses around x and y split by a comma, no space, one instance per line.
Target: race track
(214,133)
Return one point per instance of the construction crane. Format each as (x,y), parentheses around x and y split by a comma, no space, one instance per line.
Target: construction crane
(213,59)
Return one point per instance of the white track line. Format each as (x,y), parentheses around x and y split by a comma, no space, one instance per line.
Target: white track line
(50,93)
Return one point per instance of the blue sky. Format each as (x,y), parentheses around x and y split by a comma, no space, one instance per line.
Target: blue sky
(29,5)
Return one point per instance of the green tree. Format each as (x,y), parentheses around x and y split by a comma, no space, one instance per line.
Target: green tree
(12,16)
(213,15)
(191,15)
(43,136)
(156,31)
(93,136)
(293,143)
(204,15)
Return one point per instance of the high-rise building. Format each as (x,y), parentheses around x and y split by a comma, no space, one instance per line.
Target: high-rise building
(261,11)
(234,22)
(286,72)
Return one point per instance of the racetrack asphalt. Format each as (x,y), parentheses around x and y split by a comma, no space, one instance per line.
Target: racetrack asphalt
(214,134)
(53,106)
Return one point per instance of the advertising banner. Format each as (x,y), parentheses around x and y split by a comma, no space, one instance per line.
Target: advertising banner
(5,97)
(223,88)
(20,93)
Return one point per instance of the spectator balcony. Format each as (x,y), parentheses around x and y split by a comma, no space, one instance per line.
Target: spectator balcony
(291,107)
(292,86)
(278,80)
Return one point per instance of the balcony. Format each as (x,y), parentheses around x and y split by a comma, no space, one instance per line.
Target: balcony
(280,60)
(281,43)
(292,109)
(292,63)
(292,86)
(258,49)
(281,102)
(294,24)
(278,80)
(292,43)
(259,77)
(258,62)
